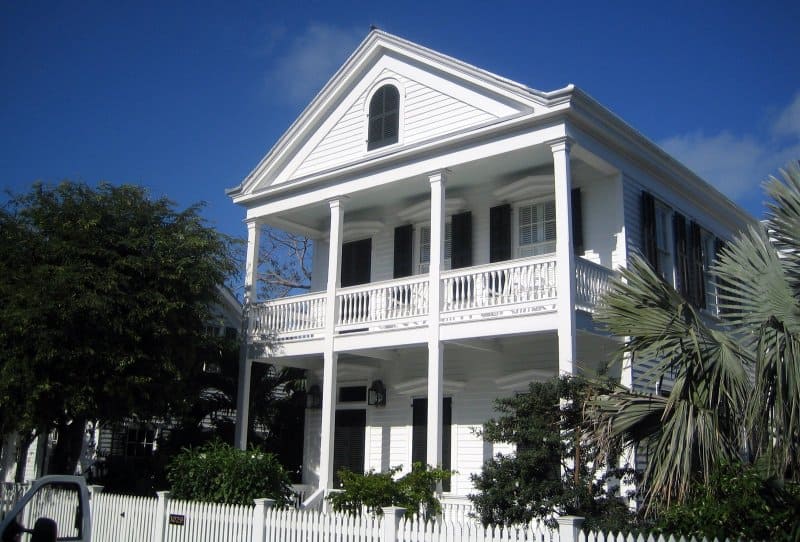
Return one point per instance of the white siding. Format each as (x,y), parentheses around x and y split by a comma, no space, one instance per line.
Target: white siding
(426,113)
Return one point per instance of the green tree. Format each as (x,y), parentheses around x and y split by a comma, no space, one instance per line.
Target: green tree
(104,294)
(553,470)
(713,410)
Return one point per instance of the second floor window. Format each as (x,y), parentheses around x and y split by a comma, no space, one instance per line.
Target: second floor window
(384,117)
(425,247)
(536,229)
(664,242)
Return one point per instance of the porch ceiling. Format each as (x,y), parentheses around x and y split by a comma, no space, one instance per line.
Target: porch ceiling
(498,170)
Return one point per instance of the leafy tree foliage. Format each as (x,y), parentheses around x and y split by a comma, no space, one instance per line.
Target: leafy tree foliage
(104,294)
(552,470)
(218,472)
(373,490)
(714,410)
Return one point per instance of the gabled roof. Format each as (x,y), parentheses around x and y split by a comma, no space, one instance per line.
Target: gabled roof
(380,56)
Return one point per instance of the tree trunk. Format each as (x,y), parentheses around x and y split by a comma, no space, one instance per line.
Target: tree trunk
(68,447)
(23,443)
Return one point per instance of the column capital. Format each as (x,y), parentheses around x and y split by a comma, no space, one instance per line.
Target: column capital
(438,176)
(561,144)
(337,201)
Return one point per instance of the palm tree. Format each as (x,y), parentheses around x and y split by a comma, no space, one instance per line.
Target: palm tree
(715,407)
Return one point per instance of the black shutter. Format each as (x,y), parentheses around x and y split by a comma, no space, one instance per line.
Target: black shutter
(696,263)
(577,221)
(403,251)
(500,233)
(447,423)
(356,262)
(419,432)
(681,255)
(462,240)
(419,435)
(649,247)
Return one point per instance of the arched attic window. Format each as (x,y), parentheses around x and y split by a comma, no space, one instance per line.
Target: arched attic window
(384,117)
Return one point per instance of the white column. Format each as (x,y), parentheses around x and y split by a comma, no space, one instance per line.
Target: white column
(330,361)
(435,348)
(245,364)
(565,257)
(251,265)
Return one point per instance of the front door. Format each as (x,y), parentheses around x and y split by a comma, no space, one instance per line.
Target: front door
(348,442)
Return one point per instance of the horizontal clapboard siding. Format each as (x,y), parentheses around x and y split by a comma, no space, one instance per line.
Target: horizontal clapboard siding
(426,113)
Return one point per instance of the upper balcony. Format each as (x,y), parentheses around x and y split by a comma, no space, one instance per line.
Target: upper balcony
(520,287)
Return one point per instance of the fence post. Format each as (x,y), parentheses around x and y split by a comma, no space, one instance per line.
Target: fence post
(391,522)
(259,519)
(569,527)
(160,522)
(94,490)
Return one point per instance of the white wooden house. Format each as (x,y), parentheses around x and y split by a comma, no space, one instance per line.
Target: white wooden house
(464,226)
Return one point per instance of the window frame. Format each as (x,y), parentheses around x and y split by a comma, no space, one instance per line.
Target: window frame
(391,81)
(516,248)
(420,267)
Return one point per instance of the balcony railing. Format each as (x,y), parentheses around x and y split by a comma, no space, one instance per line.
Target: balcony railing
(388,303)
(516,287)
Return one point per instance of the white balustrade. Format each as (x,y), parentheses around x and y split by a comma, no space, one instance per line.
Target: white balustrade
(388,301)
(519,286)
(293,317)
(591,282)
(531,281)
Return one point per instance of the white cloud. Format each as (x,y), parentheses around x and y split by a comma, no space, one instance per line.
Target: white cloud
(737,164)
(311,59)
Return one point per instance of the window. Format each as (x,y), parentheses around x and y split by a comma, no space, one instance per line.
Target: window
(353,394)
(140,441)
(663,232)
(384,117)
(425,247)
(536,229)
(709,242)
(419,433)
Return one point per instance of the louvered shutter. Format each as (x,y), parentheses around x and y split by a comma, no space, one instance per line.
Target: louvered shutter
(500,233)
(403,251)
(724,305)
(681,255)
(419,431)
(577,221)
(462,240)
(696,266)
(649,248)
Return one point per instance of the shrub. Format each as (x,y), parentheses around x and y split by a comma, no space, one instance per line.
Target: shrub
(218,472)
(738,503)
(554,470)
(373,490)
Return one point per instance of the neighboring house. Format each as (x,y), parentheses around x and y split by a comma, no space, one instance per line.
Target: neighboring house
(129,443)
(464,226)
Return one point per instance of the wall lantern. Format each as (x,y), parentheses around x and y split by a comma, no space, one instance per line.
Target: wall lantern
(376,395)
(314,398)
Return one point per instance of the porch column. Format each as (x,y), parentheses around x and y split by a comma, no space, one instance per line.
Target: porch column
(245,364)
(331,358)
(435,348)
(565,257)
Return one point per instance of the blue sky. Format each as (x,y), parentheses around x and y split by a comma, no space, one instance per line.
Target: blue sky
(186,98)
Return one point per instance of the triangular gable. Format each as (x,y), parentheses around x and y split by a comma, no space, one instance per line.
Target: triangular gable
(439,96)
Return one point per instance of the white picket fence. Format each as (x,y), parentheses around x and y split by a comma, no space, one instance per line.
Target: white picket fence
(124,518)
